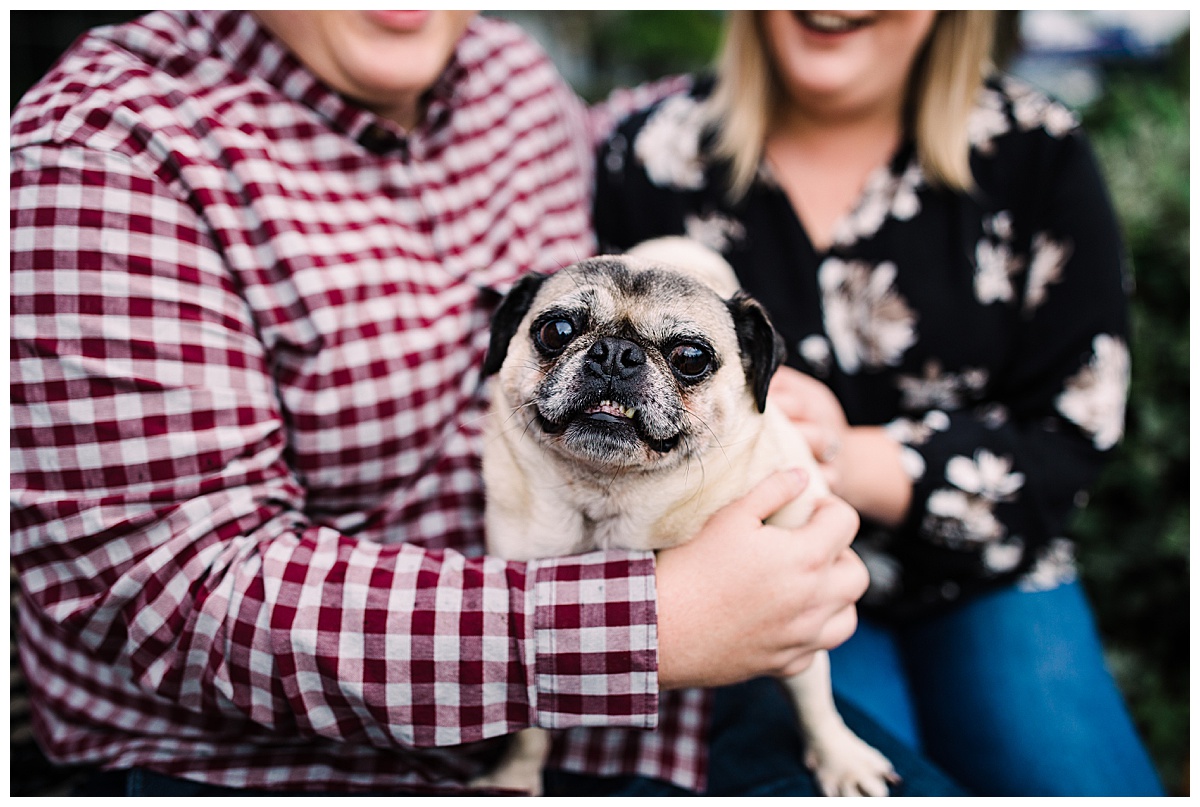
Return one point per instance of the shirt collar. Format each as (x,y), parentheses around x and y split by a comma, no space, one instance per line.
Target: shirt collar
(247,45)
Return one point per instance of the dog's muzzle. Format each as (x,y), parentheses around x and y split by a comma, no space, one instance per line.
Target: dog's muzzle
(607,426)
(610,393)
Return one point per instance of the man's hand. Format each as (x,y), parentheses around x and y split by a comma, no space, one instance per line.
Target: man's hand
(744,599)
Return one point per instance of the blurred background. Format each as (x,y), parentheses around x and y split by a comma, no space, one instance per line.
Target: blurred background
(1127,74)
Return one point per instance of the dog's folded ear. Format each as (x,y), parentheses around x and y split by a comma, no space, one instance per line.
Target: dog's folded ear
(763,349)
(508,316)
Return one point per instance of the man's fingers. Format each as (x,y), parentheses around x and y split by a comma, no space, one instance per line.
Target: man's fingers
(839,628)
(852,572)
(832,517)
(767,497)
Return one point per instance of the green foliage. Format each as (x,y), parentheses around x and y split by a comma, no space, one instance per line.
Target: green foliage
(629,46)
(1134,537)
(670,39)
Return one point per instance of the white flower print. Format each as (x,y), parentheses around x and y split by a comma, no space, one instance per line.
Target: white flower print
(669,144)
(999,225)
(935,389)
(1094,398)
(915,433)
(867,216)
(905,202)
(958,519)
(715,230)
(1045,267)
(867,320)
(987,120)
(1032,109)
(1003,556)
(1057,120)
(815,350)
(995,266)
(987,475)
(1053,567)
(912,462)
(883,194)
(973,380)
(936,420)
(993,415)
(966,516)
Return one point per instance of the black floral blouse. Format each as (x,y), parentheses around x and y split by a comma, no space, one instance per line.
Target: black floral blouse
(987,330)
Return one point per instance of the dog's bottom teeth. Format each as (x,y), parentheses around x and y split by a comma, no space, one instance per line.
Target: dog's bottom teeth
(613,408)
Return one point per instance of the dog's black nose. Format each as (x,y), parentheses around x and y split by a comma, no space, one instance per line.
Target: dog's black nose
(611,357)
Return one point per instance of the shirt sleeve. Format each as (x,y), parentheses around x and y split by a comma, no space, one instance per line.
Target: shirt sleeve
(156,519)
(995,483)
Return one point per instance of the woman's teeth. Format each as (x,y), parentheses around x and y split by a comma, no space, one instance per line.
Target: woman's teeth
(830,23)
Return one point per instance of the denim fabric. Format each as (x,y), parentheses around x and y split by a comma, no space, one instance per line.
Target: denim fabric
(756,751)
(1008,693)
(148,783)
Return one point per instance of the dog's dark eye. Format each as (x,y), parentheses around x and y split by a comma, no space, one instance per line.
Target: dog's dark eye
(555,335)
(690,361)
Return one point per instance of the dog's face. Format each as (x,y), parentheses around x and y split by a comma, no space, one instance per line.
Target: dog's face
(616,363)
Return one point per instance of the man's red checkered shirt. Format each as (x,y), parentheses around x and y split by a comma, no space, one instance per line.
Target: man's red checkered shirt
(247,324)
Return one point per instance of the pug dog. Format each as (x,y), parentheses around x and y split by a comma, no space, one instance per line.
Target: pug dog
(630,404)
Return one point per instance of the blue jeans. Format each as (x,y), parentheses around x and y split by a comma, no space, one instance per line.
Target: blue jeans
(1008,693)
(755,750)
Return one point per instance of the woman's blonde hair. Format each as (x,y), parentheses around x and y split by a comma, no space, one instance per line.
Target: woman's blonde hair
(942,91)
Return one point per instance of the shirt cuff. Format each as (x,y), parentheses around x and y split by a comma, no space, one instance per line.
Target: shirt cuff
(595,641)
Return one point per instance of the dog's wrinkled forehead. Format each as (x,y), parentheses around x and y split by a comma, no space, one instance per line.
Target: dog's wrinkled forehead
(656,300)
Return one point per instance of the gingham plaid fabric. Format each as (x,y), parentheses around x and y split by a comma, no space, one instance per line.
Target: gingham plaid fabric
(247,322)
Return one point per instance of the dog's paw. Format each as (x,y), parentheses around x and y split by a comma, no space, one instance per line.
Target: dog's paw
(844,765)
(511,777)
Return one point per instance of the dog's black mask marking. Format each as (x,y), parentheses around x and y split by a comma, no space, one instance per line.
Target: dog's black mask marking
(507,319)
(762,348)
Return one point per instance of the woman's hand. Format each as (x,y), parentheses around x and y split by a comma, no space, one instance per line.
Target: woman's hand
(815,411)
(861,463)
(744,599)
